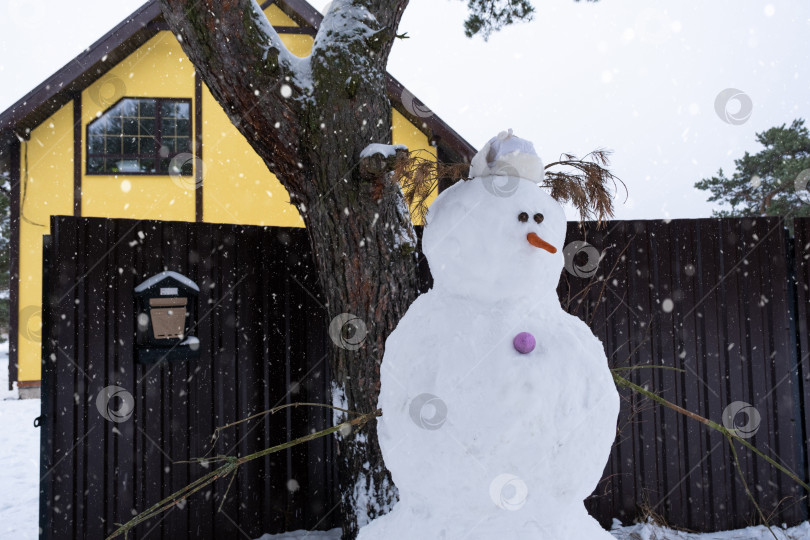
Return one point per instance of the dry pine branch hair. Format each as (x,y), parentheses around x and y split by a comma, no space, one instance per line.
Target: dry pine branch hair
(585,182)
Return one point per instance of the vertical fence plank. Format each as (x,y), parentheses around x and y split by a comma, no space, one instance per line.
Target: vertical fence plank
(63,370)
(730,307)
(122,464)
(93,358)
(801,258)
(249,351)
(274,357)
(202,408)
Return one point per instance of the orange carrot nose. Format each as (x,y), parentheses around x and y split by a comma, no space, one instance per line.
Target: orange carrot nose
(536,241)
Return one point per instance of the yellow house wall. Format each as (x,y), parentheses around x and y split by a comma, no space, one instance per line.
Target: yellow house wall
(404,132)
(158,69)
(278,17)
(46,189)
(237,187)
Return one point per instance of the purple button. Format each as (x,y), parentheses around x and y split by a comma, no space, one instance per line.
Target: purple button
(524,343)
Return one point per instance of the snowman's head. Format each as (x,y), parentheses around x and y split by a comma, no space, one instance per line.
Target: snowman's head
(496,238)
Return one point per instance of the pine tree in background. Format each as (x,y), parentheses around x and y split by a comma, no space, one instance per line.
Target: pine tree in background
(487,16)
(772,182)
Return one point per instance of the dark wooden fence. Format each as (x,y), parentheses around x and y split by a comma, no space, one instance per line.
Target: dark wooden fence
(715,298)
(263,344)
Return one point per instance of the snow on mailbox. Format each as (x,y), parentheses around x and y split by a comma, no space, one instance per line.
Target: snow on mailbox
(166,312)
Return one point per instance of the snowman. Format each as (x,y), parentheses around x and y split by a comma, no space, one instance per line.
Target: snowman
(499,410)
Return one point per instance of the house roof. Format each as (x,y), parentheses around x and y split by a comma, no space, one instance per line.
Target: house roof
(47,98)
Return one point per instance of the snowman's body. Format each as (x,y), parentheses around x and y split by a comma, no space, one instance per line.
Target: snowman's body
(485,442)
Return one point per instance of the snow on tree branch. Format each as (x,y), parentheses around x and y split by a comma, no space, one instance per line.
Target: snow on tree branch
(364,28)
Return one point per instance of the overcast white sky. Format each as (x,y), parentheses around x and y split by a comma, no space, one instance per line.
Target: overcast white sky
(637,76)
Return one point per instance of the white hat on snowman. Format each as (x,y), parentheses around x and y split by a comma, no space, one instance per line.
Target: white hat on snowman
(508,155)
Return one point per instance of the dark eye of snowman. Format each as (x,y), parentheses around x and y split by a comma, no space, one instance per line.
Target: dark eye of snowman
(538,218)
(523,217)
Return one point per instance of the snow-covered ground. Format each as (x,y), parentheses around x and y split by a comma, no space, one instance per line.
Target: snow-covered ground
(19,461)
(334,534)
(645,531)
(19,476)
(648,531)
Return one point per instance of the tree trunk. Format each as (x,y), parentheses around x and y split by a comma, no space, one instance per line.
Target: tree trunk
(309,119)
